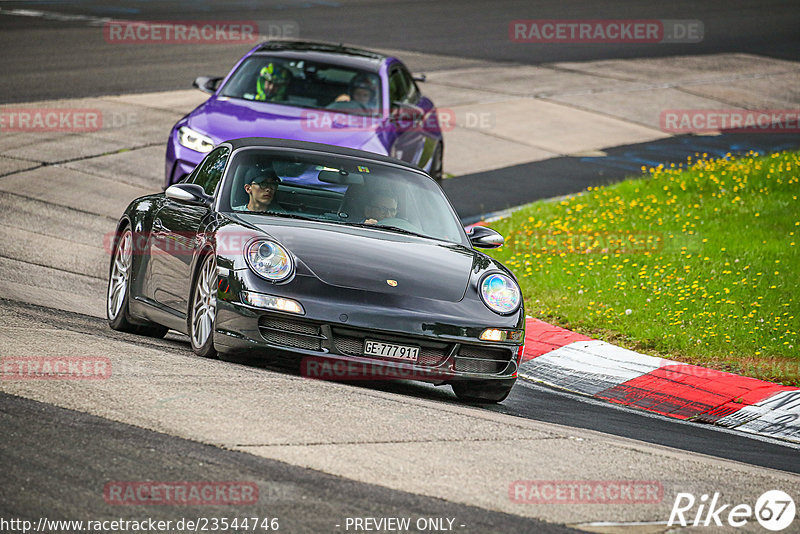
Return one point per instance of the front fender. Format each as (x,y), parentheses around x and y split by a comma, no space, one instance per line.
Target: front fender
(139,216)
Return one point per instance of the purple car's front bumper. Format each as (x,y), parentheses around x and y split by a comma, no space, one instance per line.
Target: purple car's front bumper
(180,160)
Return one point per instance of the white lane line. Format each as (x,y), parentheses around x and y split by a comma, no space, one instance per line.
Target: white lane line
(60,17)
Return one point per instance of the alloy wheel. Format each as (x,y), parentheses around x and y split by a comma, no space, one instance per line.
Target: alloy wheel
(120,275)
(204,303)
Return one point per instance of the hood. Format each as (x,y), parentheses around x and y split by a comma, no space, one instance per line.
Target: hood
(361,258)
(224,118)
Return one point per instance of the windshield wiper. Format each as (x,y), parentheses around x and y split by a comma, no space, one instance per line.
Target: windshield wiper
(280,214)
(390,228)
(387,227)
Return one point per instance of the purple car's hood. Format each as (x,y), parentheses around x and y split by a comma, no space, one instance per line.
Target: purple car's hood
(225,118)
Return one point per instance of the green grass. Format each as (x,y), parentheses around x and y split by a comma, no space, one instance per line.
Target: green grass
(697,263)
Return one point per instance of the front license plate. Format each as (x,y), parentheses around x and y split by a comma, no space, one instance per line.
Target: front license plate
(390,350)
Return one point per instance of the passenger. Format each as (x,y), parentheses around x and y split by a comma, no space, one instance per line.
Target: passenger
(381,205)
(361,95)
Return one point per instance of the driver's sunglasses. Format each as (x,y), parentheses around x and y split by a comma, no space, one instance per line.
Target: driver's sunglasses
(265,185)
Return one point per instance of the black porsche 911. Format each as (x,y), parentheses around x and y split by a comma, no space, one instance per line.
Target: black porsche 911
(341,256)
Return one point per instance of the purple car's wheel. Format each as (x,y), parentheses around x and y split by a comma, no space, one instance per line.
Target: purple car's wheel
(203,309)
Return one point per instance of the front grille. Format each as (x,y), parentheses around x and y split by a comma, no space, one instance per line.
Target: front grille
(290,333)
(469,365)
(352,345)
(485,353)
(486,360)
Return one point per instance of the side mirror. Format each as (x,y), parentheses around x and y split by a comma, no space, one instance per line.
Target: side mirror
(483,237)
(207,84)
(188,194)
(419,77)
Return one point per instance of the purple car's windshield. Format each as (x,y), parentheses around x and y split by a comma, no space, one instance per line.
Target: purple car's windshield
(338,190)
(306,84)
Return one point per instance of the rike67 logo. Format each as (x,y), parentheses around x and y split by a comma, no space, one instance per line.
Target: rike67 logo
(774,510)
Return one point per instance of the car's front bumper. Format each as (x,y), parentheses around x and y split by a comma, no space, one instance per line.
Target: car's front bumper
(331,334)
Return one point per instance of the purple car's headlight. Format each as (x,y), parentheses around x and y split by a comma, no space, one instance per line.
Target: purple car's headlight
(269,260)
(194,140)
(500,293)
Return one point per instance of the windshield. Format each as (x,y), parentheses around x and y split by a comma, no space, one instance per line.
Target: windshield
(306,84)
(338,190)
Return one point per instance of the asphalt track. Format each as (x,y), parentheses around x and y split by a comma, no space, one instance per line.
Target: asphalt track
(43,447)
(60,485)
(49,56)
(526,400)
(46,58)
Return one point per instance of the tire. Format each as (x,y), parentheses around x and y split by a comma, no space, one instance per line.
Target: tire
(203,308)
(437,163)
(118,293)
(481,392)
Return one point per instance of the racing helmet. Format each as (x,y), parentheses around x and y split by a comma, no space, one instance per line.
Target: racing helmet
(274,74)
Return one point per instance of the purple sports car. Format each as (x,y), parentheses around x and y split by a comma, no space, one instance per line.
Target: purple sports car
(317,92)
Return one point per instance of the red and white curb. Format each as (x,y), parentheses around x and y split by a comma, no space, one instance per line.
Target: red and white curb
(570,361)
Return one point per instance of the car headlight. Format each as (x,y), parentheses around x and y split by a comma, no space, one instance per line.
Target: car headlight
(194,140)
(500,293)
(269,260)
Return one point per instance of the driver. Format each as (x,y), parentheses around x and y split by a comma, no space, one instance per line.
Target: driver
(272,83)
(362,93)
(381,205)
(261,191)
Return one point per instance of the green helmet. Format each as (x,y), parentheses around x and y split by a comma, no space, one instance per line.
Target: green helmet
(276,75)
